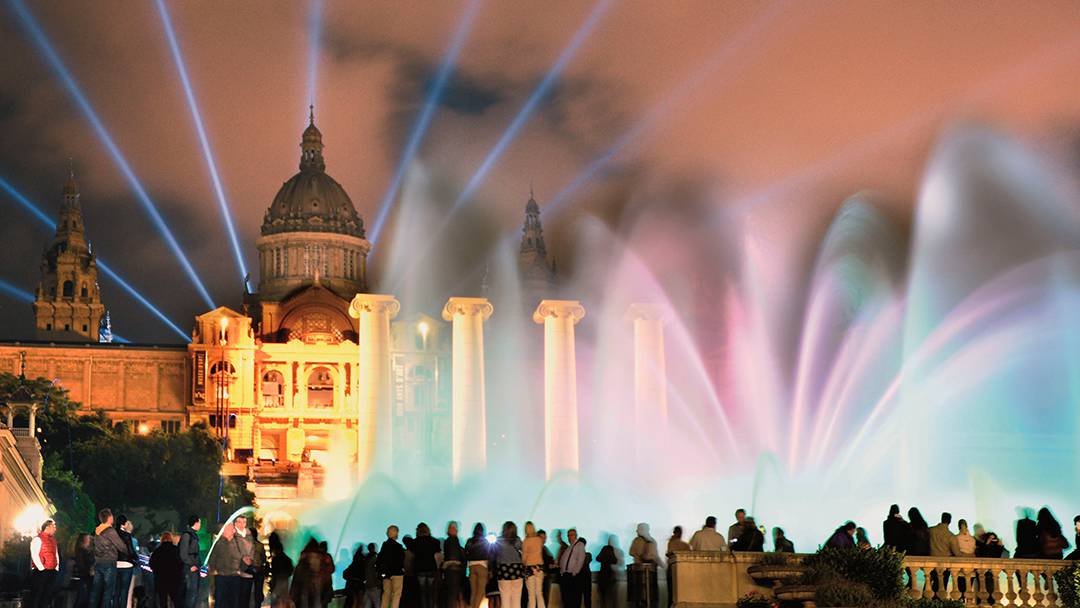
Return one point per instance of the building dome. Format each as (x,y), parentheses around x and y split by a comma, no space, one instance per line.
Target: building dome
(312,201)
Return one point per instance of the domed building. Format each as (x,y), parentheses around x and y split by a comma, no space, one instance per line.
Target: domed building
(278,379)
(311,235)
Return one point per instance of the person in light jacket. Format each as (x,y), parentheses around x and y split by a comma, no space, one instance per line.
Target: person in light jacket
(532,549)
(707,538)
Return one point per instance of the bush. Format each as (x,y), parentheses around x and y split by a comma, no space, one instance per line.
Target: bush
(1068,582)
(838,593)
(775,559)
(881,571)
(754,600)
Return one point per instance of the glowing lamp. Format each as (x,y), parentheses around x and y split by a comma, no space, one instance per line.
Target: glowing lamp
(424,329)
(144,428)
(28,523)
(224,329)
(491,539)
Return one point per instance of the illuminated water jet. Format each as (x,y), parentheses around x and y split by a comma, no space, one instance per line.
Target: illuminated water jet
(39,38)
(435,91)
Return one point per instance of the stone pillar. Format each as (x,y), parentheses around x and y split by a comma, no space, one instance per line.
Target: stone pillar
(375,435)
(469,413)
(560,384)
(650,369)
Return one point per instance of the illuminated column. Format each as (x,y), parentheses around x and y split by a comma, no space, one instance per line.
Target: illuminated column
(375,435)
(650,369)
(560,384)
(469,401)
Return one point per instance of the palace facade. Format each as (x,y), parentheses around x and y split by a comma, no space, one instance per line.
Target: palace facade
(277,380)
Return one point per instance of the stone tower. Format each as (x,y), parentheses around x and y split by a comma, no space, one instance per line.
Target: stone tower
(537,273)
(67,304)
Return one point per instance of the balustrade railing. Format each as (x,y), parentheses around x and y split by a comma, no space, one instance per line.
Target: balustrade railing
(711,579)
(998,582)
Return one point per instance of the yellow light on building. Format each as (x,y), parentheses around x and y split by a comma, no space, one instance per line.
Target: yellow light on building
(28,523)
(224,329)
(144,428)
(423,328)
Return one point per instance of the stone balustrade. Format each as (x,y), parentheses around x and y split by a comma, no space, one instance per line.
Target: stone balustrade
(717,579)
(1001,582)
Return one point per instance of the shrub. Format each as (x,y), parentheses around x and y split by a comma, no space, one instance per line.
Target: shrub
(775,559)
(837,593)
(1068,583)
(754,600)
(881,571)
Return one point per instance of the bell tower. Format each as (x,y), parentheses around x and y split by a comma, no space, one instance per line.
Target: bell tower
(68,302)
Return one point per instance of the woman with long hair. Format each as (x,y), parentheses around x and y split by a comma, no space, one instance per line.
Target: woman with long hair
(920,533)
(125,564)
(478,555)
(533,553)
(82,568)
(509,569)
(1052,543)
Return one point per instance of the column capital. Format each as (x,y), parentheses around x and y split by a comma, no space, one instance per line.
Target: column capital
(468,307)
(374,302)
(642,311)
(564,309)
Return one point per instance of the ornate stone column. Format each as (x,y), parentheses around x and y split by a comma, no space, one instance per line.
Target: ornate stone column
(560,384)
(469,413)
(375,435)
(650,368)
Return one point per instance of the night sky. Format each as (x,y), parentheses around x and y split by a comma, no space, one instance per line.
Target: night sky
(790,108)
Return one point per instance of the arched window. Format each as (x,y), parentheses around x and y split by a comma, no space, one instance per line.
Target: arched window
(272,389)
(320,388)
(82,292)
(69,289)
(218,366)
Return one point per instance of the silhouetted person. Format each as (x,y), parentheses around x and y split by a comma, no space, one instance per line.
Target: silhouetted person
(1027,537)
(509,568)
(1052,543)
(736,529)
(281,568)
(843,537)
(920,533)
(391,566)
(453,567)
(895,531)
(168,572)
(189,557)
(1075,555)
(307,578)
(941,545)
(354,575)
(750,539)
(478,554)
(426,550)
(781,544)
(372,580)
(605,577)
(675,543)
(862,538)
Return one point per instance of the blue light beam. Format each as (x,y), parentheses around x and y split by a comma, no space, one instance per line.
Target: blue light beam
(15,292)
(314,23)
(196,117)
(42,217)
(527,110)
(721,57)
(426,114)
(45,46)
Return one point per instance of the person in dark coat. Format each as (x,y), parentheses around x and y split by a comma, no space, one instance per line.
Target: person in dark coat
(843,537)
(326,574)
(1075,555)
(920,533)
(896,531)
(82,571)
(354,576)
(781,544)
(453,567)
(1052,543)
(425,549)
(281,568)
(168,572)
(307,580)
(1027,537)
(605,577)
(391,566)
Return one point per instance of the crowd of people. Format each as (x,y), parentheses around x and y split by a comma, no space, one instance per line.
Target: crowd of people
(422,571)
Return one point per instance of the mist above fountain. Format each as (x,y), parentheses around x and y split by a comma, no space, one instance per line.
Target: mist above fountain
(940,370)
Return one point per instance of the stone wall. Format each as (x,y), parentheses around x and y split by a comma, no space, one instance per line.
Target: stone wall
(128,382)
